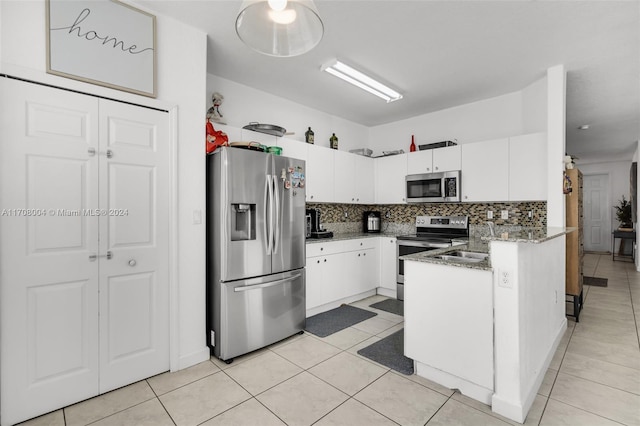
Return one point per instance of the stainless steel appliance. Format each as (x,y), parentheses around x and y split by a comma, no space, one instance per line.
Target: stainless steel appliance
(433,187)
(371,221)
(432,232)
(255,250)
(317,230)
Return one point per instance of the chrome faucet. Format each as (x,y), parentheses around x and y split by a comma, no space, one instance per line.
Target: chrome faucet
(492,228)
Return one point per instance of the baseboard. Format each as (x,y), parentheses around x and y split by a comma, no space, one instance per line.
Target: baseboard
(472,390)
(518,410)
(193,358)
(331,305)
(387,292)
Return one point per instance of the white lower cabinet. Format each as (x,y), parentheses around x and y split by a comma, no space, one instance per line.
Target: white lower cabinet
(388,262)
(340,269)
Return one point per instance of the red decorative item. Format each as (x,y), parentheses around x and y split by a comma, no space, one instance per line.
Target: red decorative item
(215,138)
(412,148)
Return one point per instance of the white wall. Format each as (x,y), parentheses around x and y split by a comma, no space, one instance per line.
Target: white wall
(243,104)
(556,147)
(181,82)
(534,107)
(487,119)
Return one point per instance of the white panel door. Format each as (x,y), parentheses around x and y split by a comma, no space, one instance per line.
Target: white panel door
(48,284)
(596,210)
(134,298)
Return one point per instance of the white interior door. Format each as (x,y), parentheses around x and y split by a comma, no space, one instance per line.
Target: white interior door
(597,214)
(48,284)
(134,287)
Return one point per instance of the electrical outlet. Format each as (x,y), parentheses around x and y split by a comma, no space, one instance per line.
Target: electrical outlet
(530,214)
(504,278)
(490,214)
(504,214)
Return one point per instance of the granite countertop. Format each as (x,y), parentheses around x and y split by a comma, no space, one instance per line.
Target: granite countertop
(339,236)
(529,235)
(475,245)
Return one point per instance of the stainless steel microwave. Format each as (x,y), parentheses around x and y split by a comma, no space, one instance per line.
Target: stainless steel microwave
(433,187)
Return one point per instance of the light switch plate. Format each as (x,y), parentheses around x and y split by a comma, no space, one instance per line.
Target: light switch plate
(505,214)
(490,214)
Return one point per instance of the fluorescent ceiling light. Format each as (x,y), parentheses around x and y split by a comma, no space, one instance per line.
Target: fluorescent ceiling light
(361,80)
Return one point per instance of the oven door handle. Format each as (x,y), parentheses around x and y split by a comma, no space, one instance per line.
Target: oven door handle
(423,244)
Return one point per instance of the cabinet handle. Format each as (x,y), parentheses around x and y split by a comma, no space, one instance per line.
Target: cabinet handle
(358,254)
(364,254)
(325,260)
(92,151)
(93,257)
(321,248)
(437,168)
(318,261)
(132,263)
(312,197)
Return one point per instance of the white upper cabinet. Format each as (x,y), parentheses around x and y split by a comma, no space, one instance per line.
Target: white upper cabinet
(320,175)
(294,149)
(354,178)
(528,167)
(391,173)
(365,180)
(434,160)
(485,171)
(345,174)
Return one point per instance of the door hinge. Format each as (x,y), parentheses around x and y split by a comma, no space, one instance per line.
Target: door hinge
(213,338)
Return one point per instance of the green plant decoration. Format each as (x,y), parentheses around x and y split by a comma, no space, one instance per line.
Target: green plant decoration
(623,213)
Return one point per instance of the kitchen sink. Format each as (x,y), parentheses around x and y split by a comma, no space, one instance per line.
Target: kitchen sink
(464,256)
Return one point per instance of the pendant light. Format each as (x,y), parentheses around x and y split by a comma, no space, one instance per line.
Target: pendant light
(282,28)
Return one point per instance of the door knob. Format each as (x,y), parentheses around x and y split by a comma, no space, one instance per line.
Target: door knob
(132,262)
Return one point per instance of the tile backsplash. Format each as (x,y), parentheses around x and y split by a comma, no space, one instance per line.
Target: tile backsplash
(349,217)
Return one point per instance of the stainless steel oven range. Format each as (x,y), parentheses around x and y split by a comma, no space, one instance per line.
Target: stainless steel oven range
(432,232)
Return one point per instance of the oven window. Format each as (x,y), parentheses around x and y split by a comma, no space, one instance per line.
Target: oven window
(424,188)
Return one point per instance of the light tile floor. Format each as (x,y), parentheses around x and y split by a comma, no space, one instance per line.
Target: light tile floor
(594,378)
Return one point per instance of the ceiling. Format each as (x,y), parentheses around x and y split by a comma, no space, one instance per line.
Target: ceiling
(441,54)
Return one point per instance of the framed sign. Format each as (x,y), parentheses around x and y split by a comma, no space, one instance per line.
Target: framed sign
(102,42)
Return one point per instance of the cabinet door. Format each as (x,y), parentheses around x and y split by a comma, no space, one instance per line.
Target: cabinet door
(485,171)
(292,148)
(344,177)
(134,282)
(388,261)
(391,173)
(420,162)
(365,180)
(320,178)
(447,159)
(368,277)
(528,167)
(315,278)
(49,286)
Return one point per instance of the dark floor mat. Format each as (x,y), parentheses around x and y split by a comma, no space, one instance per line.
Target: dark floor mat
(390,353)
(595,281)
(394,306)
(327,323)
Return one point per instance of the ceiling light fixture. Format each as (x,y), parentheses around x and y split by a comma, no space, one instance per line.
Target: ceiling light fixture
(361,80)
(282,28)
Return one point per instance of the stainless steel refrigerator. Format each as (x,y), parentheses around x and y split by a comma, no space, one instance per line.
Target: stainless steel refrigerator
(255,250)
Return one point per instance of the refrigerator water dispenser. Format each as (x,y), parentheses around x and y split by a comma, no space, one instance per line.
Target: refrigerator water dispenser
(243,222)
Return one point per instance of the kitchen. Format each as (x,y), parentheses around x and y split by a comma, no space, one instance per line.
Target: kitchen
(500,117)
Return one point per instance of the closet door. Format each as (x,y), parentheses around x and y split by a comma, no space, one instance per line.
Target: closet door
(48,280)
(134,288)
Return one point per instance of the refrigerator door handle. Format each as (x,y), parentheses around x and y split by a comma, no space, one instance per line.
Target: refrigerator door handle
(265,285)
(276,218)
(271,212)
(267,214)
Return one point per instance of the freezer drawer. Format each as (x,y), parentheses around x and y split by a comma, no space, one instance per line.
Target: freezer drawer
(257,312)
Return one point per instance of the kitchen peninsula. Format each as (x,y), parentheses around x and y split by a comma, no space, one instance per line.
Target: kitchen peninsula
(489,329)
